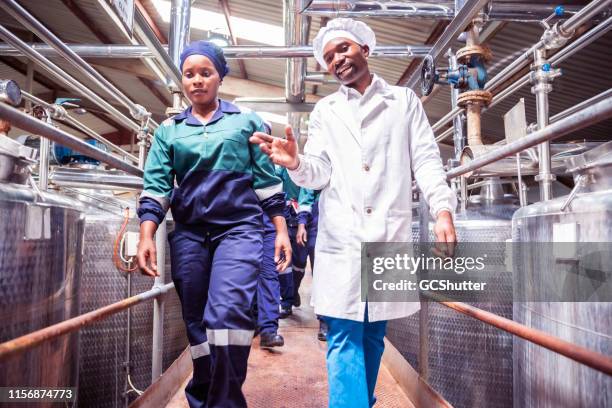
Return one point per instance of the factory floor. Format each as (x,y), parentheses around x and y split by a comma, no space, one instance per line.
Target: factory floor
(295,375)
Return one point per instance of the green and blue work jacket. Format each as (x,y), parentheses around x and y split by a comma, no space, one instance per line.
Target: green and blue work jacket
(307,200)
(209,174)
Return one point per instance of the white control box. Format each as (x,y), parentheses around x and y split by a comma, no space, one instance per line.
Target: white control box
(131,243)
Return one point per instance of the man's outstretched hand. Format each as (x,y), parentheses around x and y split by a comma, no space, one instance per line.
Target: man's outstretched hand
(283,152)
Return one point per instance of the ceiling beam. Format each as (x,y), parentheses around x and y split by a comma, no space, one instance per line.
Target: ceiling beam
(158,32)
(105,39)
(436,32)
(226,12)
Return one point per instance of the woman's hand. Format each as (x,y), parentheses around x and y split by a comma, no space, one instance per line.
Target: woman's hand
(147,253)
(283,152)
(282,245)
(301,236)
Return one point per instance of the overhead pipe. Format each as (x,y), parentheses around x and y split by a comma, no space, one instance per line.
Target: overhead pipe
(65,79)
(231,52)
(28,341)
(295,26)
(146,35)
(61,114)
(553,38)
(464,17)
(30,124)
(566,52)
(439,10)
(180,18)
(137,111)
(588,116)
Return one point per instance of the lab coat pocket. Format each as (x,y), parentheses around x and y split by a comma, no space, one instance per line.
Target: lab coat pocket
(399,225)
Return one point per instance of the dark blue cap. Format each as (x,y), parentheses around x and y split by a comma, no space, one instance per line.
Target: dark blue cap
(213,52)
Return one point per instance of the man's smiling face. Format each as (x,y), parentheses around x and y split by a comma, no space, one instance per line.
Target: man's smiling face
(346,60)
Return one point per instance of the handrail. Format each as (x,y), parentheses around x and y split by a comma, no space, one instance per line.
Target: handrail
(30,340)
(570,350)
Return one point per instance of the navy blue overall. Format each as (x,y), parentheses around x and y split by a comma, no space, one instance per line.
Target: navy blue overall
(223,183)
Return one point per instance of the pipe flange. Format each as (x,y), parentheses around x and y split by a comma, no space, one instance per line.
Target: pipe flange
(463,55)
(471,97)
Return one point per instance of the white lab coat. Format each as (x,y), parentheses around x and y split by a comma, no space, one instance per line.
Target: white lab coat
(364,171)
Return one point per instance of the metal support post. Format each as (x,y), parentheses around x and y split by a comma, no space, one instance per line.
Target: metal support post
(158,304)
(424,311)
(459,120)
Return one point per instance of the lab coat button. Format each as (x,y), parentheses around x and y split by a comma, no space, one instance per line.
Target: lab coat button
(368,210)
(366,167)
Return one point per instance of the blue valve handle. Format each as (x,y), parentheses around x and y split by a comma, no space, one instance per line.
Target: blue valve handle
(559,11)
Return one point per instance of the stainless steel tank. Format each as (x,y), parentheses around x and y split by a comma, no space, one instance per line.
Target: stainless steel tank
(543,378)
(469,362)
(103,379)
(41,241)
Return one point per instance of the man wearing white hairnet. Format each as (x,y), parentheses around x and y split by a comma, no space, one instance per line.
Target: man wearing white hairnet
(363,142)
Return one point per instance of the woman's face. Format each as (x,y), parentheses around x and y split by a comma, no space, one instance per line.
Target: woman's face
(200,80)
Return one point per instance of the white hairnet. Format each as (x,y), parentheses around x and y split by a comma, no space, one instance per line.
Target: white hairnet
(345,28)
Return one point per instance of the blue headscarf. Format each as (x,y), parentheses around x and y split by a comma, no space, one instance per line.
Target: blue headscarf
(212,51)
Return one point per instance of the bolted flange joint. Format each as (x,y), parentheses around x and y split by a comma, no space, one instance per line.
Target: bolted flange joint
(474,97)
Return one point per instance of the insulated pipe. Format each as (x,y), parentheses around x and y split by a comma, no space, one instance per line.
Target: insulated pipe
(138,112)
(30,124)
(31,340)
(588,116)
(61,76)
(295,34)
(439,10)
(232,52)
(80,126)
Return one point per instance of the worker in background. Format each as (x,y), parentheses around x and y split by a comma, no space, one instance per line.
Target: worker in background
(306,235)
(290,281)
(363,142)
(223,184)
(268,287)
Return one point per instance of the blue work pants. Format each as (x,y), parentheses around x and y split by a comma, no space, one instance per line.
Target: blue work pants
(216,278)
(268,287)
(354,350)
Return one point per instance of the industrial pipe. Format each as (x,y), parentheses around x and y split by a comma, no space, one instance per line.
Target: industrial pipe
(157,349)
(590,115)
(138,112)
(30,124)
(30,340)
(577,353)
(61,76)
(146,34)
(231,52)
(464,17)
(89,132)
(295,26)
(79,178)
(566,52)
(180,17)
(439,10)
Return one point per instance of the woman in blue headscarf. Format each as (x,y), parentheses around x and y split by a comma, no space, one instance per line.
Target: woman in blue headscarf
(222,184)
